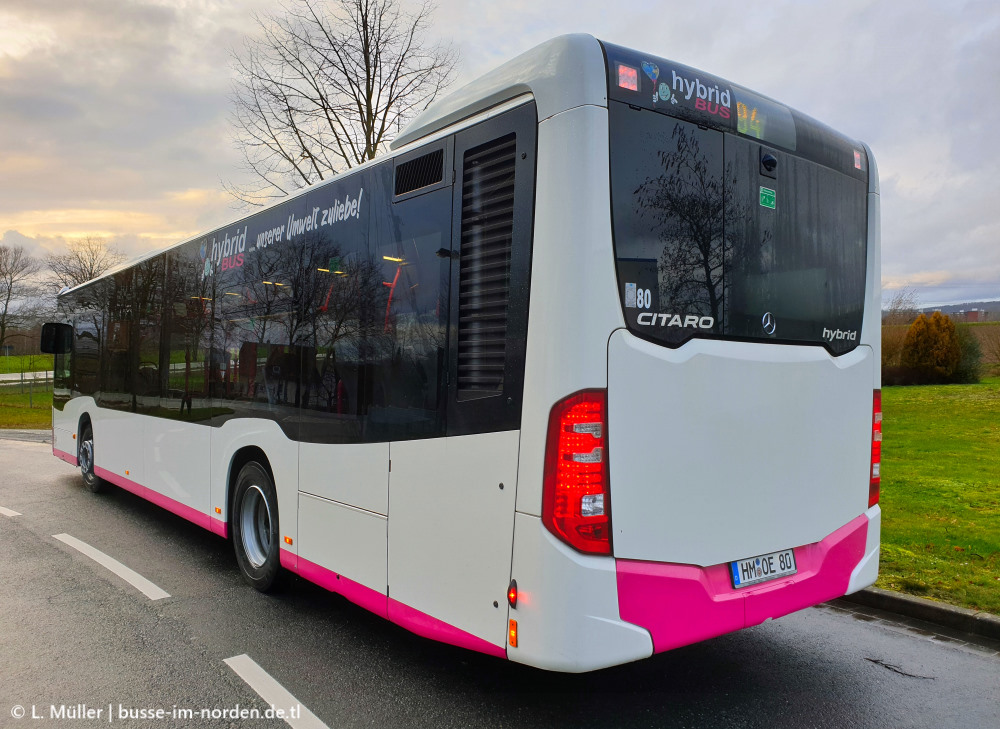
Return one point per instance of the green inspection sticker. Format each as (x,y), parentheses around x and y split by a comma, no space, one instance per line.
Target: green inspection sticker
(767,198)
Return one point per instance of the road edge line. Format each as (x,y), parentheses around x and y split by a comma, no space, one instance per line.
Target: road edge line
(272,692)
(146,587)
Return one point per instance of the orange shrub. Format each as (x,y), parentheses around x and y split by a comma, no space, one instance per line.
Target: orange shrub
(931,347)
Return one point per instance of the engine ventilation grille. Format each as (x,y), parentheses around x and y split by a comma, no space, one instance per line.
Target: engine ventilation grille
(420,172)
(484,277)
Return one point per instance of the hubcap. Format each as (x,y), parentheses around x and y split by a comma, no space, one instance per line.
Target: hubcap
(87,456)
(255,526)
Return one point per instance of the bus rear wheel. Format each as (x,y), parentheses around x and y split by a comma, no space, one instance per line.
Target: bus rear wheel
(85,459)
(255,526)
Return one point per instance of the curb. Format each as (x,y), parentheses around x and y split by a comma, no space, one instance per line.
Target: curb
(31,436)
(931,611)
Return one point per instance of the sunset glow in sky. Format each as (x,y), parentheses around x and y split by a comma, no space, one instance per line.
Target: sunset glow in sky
(114,113)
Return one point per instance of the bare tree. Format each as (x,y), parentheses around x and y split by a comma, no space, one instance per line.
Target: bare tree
(326,85)
(17,288)
(85,260)
(901,308)
(898,313)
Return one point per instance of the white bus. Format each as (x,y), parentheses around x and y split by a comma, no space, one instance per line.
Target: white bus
(585,369)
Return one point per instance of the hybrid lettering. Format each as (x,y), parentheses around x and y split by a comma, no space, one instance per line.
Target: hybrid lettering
(712,99)
(832,335)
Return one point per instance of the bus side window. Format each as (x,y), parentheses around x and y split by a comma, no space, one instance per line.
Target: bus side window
(412,330)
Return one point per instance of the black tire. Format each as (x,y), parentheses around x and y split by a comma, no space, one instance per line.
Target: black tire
(85,459)
(256,539)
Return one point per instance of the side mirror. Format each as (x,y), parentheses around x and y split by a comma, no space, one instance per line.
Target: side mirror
(57,338)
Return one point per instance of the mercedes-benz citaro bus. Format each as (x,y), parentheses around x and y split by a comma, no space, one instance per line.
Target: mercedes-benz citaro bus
(585,369)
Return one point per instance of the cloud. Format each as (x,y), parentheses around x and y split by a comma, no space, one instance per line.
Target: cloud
(115,114)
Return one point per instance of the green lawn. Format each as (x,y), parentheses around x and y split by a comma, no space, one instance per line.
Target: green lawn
(15,413)
(25,363)
(941,493)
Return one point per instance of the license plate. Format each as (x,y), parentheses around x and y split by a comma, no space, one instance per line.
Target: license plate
(753,571)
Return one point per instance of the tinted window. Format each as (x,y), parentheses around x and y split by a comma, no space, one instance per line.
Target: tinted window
(129,377)
(708,245)
(286,286)
(803,261)
(337,289)
(412,249)
(185,341)
(668,199)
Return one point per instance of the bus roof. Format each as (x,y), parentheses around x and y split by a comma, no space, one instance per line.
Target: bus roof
(561,73)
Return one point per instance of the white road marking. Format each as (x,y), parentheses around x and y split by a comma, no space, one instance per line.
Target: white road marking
(130,576)
(8,512)
(274,694)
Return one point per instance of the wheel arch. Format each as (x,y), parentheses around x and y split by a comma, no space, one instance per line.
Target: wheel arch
(84,421)
(240,458)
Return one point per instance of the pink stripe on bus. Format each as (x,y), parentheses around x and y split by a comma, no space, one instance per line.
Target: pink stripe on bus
(357,593)
(428,627)
(63,455)
(365,597)
(288,560)
(182,510)
(403,615)
(220,527)
(681,604)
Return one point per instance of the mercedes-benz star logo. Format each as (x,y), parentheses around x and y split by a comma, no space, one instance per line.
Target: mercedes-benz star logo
(767,321)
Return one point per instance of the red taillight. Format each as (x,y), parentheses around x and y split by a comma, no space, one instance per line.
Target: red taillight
(875,474)
(576,503)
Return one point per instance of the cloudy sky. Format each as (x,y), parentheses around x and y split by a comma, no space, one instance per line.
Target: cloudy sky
(113,113)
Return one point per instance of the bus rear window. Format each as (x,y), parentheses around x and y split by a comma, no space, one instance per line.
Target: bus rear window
(721,236)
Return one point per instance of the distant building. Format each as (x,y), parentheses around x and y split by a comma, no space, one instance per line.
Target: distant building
(972,315)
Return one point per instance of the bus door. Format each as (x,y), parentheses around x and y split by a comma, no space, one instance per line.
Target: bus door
(452,498)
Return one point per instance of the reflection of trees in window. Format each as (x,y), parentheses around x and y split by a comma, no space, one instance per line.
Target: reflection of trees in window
(414,320)
(129,366)
(186,338)
(147,288)
(87,308)
(337,295)
(266,294)
(684,207)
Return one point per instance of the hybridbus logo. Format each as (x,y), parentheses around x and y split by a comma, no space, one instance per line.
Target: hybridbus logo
(833,335)
(651,319)
(706,98)
(225,254)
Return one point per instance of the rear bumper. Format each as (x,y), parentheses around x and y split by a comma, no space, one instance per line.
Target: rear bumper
(681,604)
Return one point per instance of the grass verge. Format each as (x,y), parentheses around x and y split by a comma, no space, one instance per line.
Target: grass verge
(25,363)
(941,493)
(16,413)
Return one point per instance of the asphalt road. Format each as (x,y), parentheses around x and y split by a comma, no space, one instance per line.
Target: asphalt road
(72,633)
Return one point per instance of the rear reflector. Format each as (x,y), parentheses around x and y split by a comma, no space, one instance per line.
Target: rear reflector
(512,634)
(875,481)
(576,503)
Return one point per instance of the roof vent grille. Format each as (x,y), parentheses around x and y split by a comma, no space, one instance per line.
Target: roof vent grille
(420,172)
